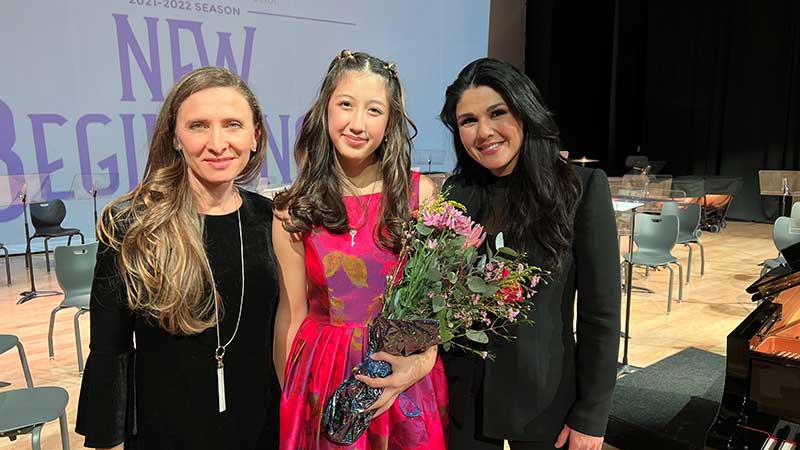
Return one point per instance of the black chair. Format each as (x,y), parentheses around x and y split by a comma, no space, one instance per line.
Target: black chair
(637,164)
(8,265)
(46,218)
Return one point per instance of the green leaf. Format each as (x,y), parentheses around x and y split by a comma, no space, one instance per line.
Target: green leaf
(451,277)
(470,255)
(476,284)
(508,251)
(477,336)
(396,301)
(423,229)
(438,304)
(499,242)
(482,262)
(434,274)
(445,334)
(490,290)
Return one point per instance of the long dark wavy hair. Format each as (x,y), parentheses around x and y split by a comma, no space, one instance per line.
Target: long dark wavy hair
(544,188)
(315,198)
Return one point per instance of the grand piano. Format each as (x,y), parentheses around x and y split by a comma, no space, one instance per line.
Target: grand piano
(760,407)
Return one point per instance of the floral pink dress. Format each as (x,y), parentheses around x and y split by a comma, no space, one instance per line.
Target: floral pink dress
(346,278)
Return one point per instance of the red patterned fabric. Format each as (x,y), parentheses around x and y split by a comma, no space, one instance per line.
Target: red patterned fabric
(346,278)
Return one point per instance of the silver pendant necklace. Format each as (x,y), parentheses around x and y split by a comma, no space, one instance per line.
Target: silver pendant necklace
(365,209)
(219,352)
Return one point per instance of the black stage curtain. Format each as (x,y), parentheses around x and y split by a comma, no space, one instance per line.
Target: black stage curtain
(712,87)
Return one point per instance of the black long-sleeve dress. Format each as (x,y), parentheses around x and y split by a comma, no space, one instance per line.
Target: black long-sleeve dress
(161,393)
(551,374)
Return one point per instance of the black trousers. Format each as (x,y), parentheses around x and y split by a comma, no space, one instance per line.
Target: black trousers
(465,396)
(465,437)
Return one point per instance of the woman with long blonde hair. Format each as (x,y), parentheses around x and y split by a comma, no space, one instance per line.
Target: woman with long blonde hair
(186,266)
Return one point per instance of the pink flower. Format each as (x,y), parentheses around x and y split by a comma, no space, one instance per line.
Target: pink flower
(462,224)
(431,243)
(475,237)
(449,217)
(435,220)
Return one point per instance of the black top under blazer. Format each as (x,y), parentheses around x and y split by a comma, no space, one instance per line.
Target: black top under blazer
(551,374)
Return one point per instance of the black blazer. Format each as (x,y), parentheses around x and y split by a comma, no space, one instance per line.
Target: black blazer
(544,378)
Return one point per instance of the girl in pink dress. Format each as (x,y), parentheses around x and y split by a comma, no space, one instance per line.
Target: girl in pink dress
(336,236)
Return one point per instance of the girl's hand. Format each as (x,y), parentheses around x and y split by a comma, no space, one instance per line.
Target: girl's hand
(406,371)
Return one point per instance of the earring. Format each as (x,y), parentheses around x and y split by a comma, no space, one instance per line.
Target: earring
(253,150)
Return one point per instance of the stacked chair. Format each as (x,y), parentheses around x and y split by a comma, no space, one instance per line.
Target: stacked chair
(74,272)
(688,215)
(26,410)
(782,237)
(655,236)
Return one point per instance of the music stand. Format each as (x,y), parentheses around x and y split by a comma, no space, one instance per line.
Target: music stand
(782,183)
(94,185)
(628,195)
(23,190)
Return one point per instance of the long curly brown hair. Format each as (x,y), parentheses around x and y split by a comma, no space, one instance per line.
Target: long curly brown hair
(315,198)
(156,227)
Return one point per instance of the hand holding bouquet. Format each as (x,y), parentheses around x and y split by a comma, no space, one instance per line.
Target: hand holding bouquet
(442,292)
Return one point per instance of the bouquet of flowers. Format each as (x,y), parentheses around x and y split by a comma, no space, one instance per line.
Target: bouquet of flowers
(442,292)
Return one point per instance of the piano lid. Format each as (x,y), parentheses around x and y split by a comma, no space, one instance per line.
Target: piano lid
(782,286)
(773,282)
(780,278)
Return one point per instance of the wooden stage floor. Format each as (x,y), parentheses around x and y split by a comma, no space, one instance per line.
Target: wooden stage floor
(712,306)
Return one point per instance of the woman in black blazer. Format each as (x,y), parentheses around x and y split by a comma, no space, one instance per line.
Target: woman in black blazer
(552,385)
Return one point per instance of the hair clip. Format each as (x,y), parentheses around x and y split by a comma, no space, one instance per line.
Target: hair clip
(345,54)
(391,66)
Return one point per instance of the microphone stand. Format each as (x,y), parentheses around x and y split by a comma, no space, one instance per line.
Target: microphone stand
(94,203)
(33,293)
(624,367)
